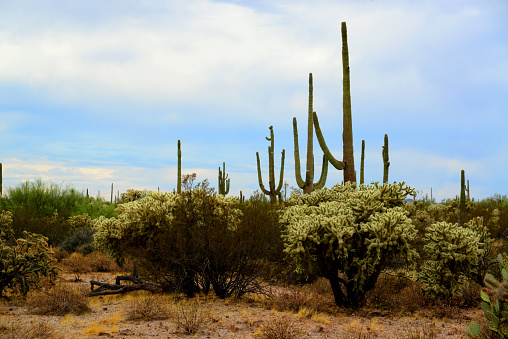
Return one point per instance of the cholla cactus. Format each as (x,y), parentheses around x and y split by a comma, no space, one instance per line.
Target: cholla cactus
(453,250)
(350,230)
(25,262)
(494,304)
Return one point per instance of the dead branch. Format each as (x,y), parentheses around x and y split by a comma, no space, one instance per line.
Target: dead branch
(118,288)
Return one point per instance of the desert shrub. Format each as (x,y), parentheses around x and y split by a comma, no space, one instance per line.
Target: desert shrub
(281,328)
(80,237)
(191,316)
(78,263)
(147,309)
(101,262)
(396,293)
(44,208)
(23,261)
(452,251)
(351,230)
(61,299)
(191,241)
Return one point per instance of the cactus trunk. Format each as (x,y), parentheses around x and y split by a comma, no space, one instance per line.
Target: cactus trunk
(308,185)
(462,202)
(362,164)
(386,160)
(347,134)
(179,175)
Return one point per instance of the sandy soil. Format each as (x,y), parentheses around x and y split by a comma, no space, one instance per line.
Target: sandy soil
(232,318)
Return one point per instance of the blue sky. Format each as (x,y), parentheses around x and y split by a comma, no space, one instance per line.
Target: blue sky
(99,92)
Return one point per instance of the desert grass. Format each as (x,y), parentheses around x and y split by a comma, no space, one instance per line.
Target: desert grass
(191,316)
(60,300)
(281,327)
(30,330)
(147,308)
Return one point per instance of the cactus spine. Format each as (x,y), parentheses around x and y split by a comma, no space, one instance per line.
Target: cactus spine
(347,164)
(308,186)
(179,175)
(362,164)
(223,180)
(273,192)
(386,162)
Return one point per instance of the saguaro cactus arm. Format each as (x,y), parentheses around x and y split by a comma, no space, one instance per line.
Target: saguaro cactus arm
(335,163)
(298,176)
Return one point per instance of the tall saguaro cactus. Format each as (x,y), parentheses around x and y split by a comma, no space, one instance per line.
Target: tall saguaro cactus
(223,180)
(386,160)
(273,192)
(308,185)
(462,201)
(179,175)
(348,163)
(362,164)
(1,176)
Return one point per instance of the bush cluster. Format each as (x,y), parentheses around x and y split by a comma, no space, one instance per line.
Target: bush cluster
(194,241)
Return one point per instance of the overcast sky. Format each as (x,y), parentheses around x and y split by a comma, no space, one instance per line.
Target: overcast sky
(99,92)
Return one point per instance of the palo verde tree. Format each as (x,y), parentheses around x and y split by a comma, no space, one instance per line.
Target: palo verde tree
(351,230)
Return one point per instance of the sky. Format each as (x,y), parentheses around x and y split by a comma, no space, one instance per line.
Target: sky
(98,92)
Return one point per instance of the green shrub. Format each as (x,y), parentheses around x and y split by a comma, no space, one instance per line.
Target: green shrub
(81,236)
(45,208)
(351,230)
(24,263)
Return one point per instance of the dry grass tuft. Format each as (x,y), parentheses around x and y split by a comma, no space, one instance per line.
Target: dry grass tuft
(62,299)
(281,328)
(33,330)
(428,332)
(147,309)
(191,316)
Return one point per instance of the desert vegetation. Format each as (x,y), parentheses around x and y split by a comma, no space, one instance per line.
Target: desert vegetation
(353,260)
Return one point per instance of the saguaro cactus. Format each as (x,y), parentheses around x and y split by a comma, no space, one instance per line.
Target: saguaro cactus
(347,164)
(308,186)
(462,201)
(179,175)
(386,162)
(273,192)
(1,175)
(362,164)
(223,180)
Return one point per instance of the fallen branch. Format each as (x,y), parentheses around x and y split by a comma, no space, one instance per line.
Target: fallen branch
(118,288)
